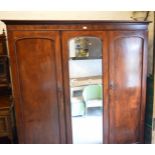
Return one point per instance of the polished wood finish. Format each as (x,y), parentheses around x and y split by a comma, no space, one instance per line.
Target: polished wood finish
(75,25)
(3,48)
(39,62)
(126,57)
(4,63)
(4,72)
(6,104)
(6,123)
(37,86)
(62,22)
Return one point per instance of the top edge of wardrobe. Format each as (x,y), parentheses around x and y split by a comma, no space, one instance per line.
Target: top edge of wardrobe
(50,22)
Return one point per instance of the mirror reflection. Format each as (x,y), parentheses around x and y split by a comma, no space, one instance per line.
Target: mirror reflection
(85,73)
(85,47)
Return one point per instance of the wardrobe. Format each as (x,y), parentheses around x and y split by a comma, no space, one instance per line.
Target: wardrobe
(40,77)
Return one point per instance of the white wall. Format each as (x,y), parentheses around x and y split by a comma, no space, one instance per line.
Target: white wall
(85,68)
(65,15)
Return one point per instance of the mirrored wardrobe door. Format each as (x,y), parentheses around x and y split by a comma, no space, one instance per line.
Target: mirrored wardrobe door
(83,57)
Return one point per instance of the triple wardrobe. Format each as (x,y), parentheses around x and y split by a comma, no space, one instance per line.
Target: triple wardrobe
(40,55)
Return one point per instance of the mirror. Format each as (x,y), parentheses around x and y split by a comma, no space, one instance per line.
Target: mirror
(85,48)
(86,100)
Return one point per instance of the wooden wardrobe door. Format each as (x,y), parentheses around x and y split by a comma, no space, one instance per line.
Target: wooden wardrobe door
(127,86)
(37,80)
(66,36)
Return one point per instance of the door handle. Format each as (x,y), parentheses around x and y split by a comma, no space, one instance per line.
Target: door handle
(112,85)
(59,88)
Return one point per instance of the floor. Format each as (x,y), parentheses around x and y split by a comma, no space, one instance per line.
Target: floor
(87,129)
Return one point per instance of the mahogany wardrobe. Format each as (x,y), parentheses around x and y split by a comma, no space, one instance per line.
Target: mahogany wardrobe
(40,77)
